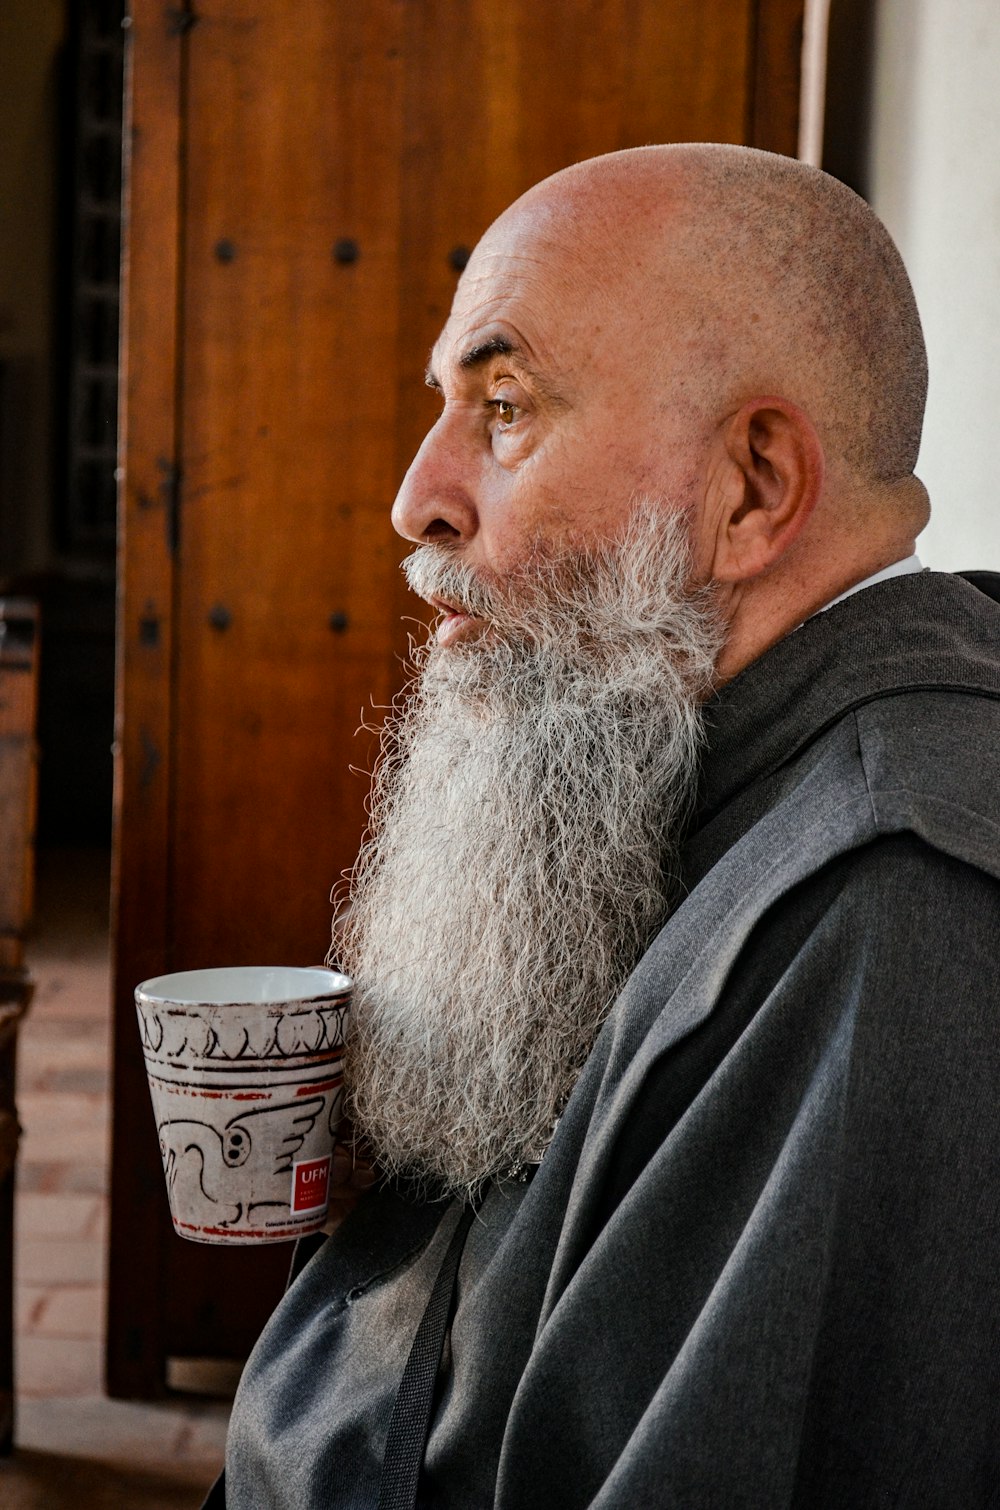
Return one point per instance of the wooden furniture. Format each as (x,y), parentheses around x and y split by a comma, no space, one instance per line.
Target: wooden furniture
(304,185)
(18,712)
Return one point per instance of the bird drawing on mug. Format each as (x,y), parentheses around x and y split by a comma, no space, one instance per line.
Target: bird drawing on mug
(205,1165)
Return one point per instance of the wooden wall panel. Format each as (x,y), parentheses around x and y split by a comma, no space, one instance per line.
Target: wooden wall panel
(288,408)
(337,160)
(773,93)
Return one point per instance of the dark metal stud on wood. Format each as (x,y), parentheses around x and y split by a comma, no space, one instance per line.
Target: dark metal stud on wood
(149,630)
(346,251)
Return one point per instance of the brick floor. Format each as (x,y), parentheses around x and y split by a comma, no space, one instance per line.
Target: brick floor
(62,1215)
(73,1310)
(58,1261)
(60,1365)
(49,1175)
(74,1447)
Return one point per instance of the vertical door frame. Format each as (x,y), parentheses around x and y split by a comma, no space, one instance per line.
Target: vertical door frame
(149,499)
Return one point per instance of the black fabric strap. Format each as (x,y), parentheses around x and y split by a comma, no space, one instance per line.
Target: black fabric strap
(216,1497)
(305,1249)
(411,1414)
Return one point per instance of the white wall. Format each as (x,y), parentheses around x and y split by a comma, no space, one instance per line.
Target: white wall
(934,178)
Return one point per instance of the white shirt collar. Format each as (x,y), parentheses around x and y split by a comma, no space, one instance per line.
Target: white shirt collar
(897,569)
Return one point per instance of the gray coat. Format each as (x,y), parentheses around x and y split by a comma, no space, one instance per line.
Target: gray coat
(758,1266)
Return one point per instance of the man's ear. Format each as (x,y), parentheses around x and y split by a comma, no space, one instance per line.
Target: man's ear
(768,486)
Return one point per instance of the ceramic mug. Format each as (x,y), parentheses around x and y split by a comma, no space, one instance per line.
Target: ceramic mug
(244,1068)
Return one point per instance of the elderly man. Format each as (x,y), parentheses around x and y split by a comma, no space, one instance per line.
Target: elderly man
(676,938)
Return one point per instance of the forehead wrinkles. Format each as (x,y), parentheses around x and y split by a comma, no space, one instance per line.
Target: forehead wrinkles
(532,291)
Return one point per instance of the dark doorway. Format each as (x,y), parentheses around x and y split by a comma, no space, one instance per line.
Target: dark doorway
(61,78)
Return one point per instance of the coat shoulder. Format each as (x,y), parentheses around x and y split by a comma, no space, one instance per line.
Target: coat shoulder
(931,763)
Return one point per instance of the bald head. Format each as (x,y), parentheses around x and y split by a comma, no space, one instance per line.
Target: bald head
(792,284)
(719,329)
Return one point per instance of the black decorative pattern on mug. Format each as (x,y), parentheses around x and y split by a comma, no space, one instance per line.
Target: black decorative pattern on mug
(174,1034)
(203,1165)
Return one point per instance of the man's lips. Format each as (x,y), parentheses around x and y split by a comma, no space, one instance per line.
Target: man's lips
(456,622)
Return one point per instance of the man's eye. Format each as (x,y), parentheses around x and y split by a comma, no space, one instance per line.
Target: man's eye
(506,412)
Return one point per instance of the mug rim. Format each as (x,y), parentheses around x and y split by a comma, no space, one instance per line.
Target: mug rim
(180,988)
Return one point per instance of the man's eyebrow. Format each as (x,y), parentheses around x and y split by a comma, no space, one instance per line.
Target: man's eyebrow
(483,352)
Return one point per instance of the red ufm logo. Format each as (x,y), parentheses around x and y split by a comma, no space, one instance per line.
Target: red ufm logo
(310,1184)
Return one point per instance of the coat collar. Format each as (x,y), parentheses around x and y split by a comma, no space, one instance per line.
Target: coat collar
(929,630)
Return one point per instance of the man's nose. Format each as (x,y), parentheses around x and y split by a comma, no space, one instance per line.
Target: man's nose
(435,500)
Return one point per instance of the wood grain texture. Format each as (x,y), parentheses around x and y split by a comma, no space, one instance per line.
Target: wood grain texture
(148,444)
(773,96)
(288,409)
(285,290)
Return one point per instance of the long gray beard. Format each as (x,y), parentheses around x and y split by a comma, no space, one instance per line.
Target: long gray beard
(525,817)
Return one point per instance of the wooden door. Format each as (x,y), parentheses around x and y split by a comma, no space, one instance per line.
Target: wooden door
(305,182)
